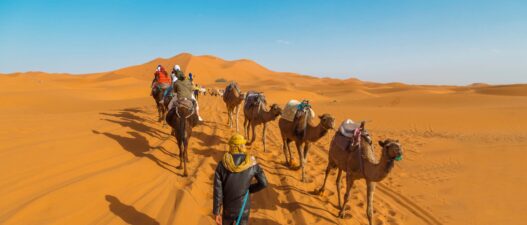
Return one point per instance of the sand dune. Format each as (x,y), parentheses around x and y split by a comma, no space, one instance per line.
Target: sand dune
(86,149)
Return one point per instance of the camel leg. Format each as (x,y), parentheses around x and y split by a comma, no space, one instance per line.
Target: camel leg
(306,150)
(181,159)
(184,158)
(229,112)
(288,142)
(163,116)
(253,127)
(159,112)
(263,136)
(321,189)
(339,176)
(237,111)
(349,185)
(369,209)
(284,148)
(245,128)
(301,157)
(304,158)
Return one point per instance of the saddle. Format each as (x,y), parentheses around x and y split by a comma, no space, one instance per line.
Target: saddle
(348,127)
(254,99)
(348,135)
(176,105)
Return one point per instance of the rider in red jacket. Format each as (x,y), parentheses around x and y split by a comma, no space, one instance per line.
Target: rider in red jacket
(161,80)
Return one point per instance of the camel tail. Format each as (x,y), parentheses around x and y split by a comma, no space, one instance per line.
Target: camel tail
(182,130)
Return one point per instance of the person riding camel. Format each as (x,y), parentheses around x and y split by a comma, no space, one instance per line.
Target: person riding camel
(161,79)
(232,183)
(176,72)
(183,88)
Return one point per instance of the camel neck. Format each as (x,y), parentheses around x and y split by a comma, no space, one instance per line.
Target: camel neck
(378,171)
(315,133)
(267,116)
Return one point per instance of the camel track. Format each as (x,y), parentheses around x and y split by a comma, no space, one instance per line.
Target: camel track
(408,204)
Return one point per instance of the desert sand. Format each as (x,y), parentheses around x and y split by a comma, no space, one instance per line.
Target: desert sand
(87,149)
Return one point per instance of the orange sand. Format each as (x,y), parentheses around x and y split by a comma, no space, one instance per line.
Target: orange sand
(87,149)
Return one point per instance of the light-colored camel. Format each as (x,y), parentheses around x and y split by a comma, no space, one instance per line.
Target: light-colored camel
(233,98)
(312,134)
(359,163)
(256,114)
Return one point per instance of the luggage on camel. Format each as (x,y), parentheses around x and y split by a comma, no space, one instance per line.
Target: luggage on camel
(254,99)
(303,117)
(291,108)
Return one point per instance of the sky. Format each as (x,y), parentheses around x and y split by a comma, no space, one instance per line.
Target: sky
(418,42)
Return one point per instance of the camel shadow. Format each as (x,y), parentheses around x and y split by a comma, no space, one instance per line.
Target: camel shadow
(139,146)
(209,152)
(207,139)
(125,115)
(127,118)
(265,199)
(139,127)
(128,213)
(165,151)
(291,206)
(134,110)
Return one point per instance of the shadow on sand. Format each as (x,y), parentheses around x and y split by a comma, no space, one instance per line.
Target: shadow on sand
(139,147)
(128,213)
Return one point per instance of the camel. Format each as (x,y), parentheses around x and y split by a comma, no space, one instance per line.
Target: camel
(182,118)
(359,163)
(312,134)
(256,113)
(233,97)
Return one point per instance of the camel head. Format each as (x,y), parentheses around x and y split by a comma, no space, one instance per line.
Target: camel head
(393,148)
(242,96)
(276,110)
(327,121)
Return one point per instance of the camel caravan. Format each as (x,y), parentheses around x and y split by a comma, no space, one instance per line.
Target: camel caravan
(351,149)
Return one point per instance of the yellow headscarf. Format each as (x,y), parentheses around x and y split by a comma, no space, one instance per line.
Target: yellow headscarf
(237,146)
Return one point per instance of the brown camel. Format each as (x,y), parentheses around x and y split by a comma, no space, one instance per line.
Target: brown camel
(182,118)
(157,94)
(312,134)
(359,163)
(233,97)
(256,113)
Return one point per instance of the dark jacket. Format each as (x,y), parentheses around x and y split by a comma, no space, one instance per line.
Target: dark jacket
(230,188)
(183,89)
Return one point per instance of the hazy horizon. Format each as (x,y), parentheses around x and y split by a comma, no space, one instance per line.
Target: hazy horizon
(415,42)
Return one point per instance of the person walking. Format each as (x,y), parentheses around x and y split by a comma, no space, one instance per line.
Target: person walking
(233,184)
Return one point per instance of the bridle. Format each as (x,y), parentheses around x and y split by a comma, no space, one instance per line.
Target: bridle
(386,147)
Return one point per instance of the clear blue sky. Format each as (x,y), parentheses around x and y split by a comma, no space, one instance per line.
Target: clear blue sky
(438,42)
